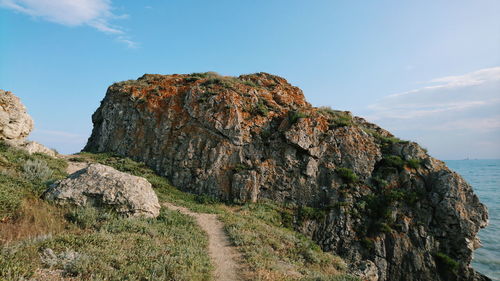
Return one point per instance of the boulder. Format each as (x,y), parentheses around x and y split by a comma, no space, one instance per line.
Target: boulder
(102,186)
(35,147)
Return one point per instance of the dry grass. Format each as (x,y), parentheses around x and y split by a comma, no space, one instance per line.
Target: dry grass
(35,218)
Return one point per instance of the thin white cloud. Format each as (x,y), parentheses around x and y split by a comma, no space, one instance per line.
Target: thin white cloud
(450,115)
(449,82)
(94,13)
(452,95)
(475,124)
(58,134)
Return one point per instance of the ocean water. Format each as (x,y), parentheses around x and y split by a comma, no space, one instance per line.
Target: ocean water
(484,176)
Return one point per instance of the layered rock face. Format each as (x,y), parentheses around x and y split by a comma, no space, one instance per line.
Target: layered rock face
(102,186)
(352,186)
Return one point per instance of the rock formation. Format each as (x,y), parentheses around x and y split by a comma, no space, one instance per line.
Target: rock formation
(16,125)
(353,187)
(102,186)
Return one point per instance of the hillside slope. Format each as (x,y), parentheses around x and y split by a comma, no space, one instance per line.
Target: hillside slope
(353,187)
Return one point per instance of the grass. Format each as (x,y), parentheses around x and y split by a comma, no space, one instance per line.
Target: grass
(241,167)
(88,244)
(446,262)
(414,163)
(393,161)
(37,170)
(277,253)
(347,175)
(261,231)
(108,247)
(209,74)
(294,116)
(21,175)
(261,108)
(310,213)
(337,118)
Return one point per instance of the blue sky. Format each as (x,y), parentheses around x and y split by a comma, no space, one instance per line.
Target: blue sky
(428,71)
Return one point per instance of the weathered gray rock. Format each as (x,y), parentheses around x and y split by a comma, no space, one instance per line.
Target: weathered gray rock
(99,185)
(35,147)
(256,138)
(15,123)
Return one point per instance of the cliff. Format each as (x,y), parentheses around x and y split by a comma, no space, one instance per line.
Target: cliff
(353,187)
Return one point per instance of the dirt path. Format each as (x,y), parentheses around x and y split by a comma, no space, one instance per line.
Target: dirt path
(73,166)
(222,253)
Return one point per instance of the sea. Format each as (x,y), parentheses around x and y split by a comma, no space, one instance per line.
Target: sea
(484,176)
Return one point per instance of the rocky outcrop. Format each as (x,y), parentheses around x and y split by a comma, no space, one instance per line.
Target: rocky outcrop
(35,147)
(16,124)
(102,186)
(383,204)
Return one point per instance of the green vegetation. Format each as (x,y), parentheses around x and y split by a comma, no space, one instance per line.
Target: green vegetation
(37,170)
(294,116)
(277,253)
(368,243)
(250,83)
(393,161)
(23,175)
(310,213)
(347,175)
(241,167)
(206,199)
(446,262)
(214,78)
(108,247)
(337,118)
(10,196)
(261,108)
(221,81)
(380,208)
(203,97)
(202,75)
(414,163)
(380,182)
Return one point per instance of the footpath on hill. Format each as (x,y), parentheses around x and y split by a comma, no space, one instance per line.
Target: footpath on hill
(223,255)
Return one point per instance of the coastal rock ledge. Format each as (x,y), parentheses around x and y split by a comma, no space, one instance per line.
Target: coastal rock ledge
(350,185)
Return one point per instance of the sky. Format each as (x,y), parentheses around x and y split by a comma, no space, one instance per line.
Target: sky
(428,71)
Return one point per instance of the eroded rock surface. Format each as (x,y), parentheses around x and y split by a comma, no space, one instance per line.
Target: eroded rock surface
(102,186)
(353,187)
(15,123)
